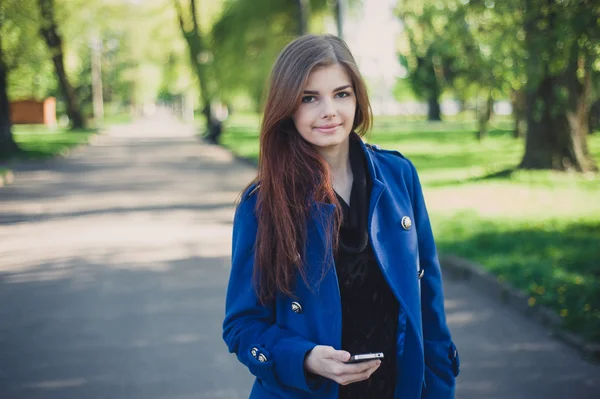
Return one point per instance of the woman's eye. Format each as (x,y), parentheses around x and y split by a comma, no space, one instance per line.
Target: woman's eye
(343,94)
(308,99)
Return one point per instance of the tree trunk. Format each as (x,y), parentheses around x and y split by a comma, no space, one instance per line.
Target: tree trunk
(199,58)
(518,100)
(558,106)
(339,17)
(49,32)
(485,105)
(594,119)
(557,132)
(303,16)
(434,112)
(427,86)
(8,146)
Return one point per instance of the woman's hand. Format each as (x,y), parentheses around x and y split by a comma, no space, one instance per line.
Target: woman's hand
(330,363)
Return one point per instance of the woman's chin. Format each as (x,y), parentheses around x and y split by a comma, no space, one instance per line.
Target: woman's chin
(328,141)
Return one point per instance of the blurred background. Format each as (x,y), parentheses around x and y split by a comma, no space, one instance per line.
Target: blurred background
(496,102)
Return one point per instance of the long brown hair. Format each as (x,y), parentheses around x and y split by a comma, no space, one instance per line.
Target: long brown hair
(291,173)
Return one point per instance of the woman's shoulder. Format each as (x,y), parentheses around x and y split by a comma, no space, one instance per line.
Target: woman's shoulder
(390,159)
(250,191)
(246,205)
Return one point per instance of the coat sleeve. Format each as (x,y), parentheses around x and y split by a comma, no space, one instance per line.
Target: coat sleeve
(272,354)
(441,357)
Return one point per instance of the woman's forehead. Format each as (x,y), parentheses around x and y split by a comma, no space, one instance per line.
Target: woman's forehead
(328,78)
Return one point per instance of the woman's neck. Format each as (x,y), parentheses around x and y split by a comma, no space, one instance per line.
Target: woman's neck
(338,158)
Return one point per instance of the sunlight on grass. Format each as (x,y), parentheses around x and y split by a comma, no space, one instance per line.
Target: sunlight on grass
(40,142)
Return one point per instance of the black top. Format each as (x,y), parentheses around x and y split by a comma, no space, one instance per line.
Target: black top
(369,308)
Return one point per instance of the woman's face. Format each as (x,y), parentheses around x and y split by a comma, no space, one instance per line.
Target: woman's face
(326,113)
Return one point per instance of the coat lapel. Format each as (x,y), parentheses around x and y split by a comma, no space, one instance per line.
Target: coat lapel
(395,250)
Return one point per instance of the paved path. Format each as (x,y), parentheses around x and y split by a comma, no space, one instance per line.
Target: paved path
(113,266)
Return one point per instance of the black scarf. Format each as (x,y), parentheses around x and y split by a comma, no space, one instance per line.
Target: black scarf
(354,235)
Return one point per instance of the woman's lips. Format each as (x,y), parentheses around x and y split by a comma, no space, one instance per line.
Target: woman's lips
(328,129)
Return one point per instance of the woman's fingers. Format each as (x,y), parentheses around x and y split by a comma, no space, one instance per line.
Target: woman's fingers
(349,378)
(341,369)
(331,363)
(339,355)
(362,366)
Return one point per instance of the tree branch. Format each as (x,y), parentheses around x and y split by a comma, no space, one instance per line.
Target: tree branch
(180,16)
(194,17)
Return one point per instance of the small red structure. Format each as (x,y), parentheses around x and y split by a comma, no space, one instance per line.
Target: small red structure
(33,112)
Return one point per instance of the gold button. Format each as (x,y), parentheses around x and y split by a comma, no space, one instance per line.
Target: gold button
(406,223)
(296,307)
(262,358)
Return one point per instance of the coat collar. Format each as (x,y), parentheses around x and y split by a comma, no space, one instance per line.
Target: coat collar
(322,212)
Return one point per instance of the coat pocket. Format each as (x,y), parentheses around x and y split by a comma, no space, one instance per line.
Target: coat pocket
(453,356)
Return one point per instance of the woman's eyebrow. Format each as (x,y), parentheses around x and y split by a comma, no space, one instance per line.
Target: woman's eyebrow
(334,90)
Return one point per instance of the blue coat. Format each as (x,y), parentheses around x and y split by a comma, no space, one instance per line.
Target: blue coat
(272,341)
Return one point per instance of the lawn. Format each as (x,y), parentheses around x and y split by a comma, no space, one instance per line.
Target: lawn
(539,230)
(41,142)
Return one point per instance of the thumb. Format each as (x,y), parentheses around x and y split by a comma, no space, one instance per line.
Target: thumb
(342,356)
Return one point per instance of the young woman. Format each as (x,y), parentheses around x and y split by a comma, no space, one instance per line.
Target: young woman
(333,253)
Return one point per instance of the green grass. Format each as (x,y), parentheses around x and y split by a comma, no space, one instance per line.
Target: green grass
(4,174)
(41,142)
(538,230)
(120,118)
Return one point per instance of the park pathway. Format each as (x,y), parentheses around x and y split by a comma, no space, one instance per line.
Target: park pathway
(113,269)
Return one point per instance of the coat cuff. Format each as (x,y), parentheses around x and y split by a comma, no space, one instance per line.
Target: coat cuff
(289,365)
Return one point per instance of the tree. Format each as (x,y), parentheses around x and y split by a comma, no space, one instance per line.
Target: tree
(427,52)
(543,51)
(130,32)
(7,142)
(561,40)
(18,49)
(303,16)
(339,9)
(200,58)
(248,37)
(49,31)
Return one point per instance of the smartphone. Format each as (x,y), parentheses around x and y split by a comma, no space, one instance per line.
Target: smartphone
(365,357)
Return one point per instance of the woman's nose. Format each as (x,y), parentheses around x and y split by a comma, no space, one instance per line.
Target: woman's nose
(328,110)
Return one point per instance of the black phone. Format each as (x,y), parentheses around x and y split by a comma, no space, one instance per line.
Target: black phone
(365,357)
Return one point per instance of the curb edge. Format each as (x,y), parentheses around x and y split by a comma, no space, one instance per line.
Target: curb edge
(485,282)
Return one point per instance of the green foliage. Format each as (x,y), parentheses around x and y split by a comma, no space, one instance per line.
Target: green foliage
(247,39)
(403,90)
(31,74)
(428,48)
(501,45)
(130,34)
